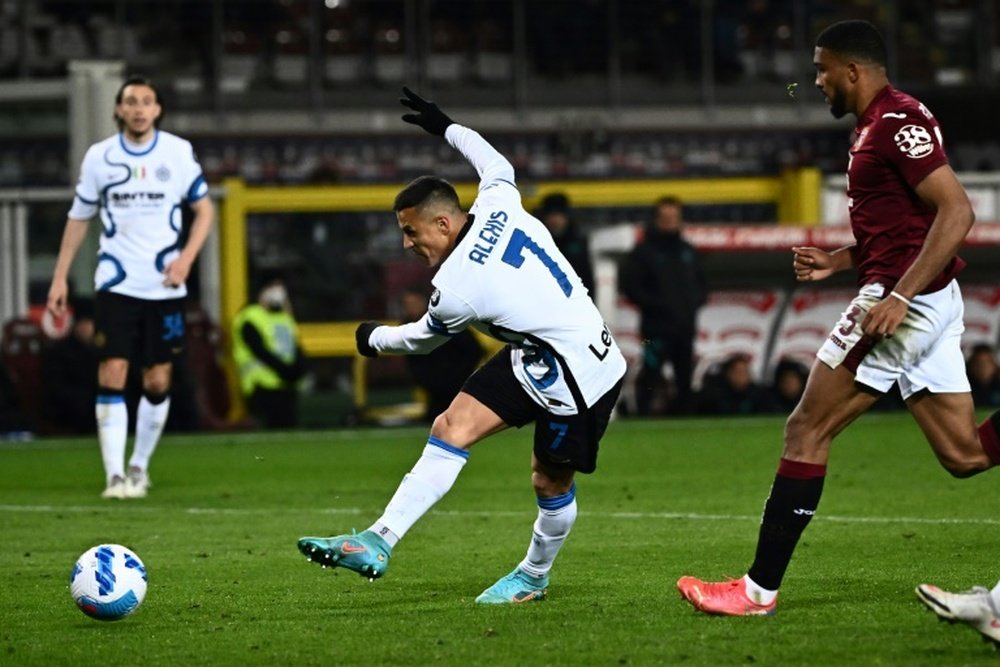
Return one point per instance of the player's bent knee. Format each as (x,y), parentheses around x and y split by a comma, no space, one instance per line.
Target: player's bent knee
(961,469)
(451,430)
(962,463)
(112,373)
(156,386)
(801,435)
(549,486)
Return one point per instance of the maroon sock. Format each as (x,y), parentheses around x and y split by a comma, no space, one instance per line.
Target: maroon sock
(794,497)
(989,437)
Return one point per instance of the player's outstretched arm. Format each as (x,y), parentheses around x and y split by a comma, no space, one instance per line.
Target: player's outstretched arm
(417,337)
(427,116)
(488,162)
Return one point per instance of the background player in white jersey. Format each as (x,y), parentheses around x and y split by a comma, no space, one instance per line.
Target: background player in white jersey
(500,272)
(138,180)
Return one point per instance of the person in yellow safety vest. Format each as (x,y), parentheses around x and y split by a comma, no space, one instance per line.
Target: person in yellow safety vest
(268,356)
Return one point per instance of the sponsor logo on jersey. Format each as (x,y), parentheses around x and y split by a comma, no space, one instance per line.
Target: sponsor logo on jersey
(124,199)
(914,141)
(435,298)
(893,114)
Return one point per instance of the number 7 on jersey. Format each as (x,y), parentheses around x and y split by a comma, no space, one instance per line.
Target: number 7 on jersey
(513,254)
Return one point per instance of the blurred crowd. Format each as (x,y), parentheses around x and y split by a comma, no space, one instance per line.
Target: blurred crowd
(48,375)
(59,400)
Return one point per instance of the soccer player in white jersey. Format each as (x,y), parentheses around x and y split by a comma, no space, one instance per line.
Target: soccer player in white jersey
(137,180)
(498,271)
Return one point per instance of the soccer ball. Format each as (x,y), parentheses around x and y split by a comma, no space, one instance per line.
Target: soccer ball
(108,582)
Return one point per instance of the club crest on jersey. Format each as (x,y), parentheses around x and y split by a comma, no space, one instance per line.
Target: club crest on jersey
(914,141)
(162,173)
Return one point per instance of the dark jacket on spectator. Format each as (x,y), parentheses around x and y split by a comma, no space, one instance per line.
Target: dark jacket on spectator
(663,277)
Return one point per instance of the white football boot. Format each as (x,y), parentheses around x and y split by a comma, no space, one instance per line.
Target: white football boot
(136,483)
(973,607)
(115,488)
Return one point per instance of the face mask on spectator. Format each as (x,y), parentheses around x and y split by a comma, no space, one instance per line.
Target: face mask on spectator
(274,297)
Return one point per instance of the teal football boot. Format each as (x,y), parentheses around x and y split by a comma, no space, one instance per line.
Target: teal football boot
(515,588)
(365,553)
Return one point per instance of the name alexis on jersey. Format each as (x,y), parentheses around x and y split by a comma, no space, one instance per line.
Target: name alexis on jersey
(489,236)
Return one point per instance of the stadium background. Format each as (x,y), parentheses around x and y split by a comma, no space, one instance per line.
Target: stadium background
(616,102)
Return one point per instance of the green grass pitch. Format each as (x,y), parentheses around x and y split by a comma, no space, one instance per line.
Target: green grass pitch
(228,587)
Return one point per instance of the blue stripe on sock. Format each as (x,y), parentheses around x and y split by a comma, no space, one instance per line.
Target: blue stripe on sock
(109,399)
(438,442)
(558,502)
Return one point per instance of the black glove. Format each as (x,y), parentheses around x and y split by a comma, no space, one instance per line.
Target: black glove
(428,115)
(361,336)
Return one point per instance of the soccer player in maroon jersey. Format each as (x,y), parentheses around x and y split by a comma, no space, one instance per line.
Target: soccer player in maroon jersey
(909,215)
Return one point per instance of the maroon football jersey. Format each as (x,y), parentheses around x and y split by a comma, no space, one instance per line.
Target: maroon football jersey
(898,143)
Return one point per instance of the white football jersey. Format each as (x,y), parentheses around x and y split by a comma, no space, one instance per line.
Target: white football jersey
(139,191)
(507,278)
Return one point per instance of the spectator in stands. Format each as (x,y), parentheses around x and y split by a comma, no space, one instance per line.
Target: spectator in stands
(268,355)
(984,376)
(442,372)
(69,375)
(557,215)
(789,383)
(663,277)
(732,390)
(14,425)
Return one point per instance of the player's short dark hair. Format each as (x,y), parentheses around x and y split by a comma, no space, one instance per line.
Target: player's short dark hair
(425,189)
(138,80)
(854,38)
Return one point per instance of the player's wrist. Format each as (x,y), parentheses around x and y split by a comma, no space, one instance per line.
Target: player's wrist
(362,338)
(900,297)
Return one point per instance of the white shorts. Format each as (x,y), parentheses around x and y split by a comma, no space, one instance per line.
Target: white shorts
(924,353)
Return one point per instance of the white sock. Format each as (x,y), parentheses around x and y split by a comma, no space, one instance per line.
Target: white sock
(431,477)
(149,421)
(112,432)
(995,598)
(758,593)
(555,519)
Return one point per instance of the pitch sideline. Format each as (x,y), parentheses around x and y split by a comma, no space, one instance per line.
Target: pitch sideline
(642,516)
